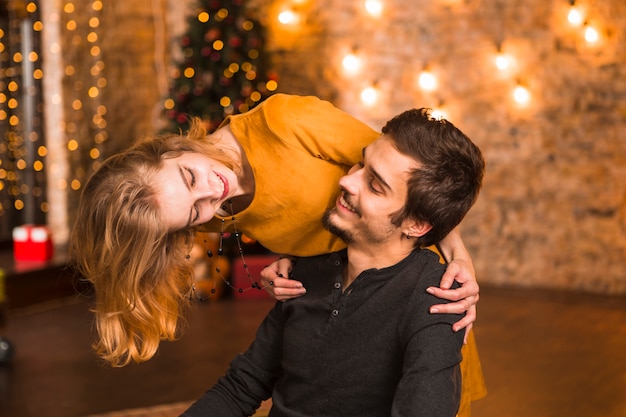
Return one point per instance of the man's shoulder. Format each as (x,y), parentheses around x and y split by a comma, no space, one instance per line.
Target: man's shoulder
(422,269)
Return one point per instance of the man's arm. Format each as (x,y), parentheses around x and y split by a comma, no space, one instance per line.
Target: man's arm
(250,378)
(431,378)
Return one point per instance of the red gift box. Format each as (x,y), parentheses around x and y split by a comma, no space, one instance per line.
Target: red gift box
(32,243)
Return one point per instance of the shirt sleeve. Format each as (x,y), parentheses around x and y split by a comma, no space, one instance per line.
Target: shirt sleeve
(250,377)
(431,379)
(317,126)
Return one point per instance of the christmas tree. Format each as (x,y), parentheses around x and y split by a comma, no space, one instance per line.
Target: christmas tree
(224,69)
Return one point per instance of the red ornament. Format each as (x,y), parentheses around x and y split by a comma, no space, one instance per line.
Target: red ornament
(212,34)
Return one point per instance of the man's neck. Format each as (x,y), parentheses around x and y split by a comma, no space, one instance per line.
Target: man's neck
(364,257)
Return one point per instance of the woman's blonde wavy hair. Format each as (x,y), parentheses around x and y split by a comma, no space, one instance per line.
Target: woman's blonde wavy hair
(139,270)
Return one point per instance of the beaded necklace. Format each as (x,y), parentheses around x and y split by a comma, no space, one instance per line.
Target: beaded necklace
(220,252)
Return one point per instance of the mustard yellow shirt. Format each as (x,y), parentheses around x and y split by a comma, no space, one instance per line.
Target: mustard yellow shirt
(298,148)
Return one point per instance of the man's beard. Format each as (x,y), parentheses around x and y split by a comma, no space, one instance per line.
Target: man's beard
(342,234)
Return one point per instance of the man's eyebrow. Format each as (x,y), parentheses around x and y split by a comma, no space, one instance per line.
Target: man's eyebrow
(376,174)
(181,171)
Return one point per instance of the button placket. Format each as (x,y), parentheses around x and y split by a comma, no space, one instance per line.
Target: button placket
(337,286)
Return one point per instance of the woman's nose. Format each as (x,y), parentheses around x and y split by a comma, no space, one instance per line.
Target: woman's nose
(210,189)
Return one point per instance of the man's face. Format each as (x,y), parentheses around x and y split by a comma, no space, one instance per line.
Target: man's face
(370,193)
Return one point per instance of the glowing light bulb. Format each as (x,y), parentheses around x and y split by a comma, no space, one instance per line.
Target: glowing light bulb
(351,63)
(374,7)
(591,34)
(438,113)
(427,81)
(575,16)
(288,17)
(369,96)
(502,61)
(521,95)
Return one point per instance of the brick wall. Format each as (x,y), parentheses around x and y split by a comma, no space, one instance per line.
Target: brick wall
(553,209)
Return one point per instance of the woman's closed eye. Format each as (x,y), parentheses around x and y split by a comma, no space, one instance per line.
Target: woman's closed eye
(192,177)
(191,182)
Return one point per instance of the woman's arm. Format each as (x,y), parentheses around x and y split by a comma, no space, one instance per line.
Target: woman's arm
(460,269)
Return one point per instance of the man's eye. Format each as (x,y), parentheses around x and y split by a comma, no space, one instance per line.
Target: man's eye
(373,185)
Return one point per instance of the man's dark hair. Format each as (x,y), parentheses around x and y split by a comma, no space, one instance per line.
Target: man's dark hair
(451,168)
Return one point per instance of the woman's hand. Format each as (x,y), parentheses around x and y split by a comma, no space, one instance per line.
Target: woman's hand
(274,278)
(465,297)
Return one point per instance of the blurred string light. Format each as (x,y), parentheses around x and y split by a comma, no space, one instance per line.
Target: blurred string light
(439,112)
(503,61)
(352,63)
(575,15)
(426,80)
(374,7)
(22,149)
(289,17)
(576,18)
(521,94)
(85,142)
(370,95)
(591,34)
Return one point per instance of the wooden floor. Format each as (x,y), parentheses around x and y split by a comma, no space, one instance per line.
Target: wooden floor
(544,354)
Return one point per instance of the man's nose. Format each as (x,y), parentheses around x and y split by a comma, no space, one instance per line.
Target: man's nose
(350,182)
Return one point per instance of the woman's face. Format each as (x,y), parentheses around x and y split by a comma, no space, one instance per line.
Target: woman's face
(190,189)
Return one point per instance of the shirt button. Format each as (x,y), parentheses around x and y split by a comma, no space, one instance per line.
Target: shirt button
(337,285)
(335,312)
(337,262)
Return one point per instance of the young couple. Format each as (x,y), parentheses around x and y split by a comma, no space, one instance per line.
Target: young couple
(279,166)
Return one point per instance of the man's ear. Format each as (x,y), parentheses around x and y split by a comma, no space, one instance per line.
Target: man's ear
(416,228)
